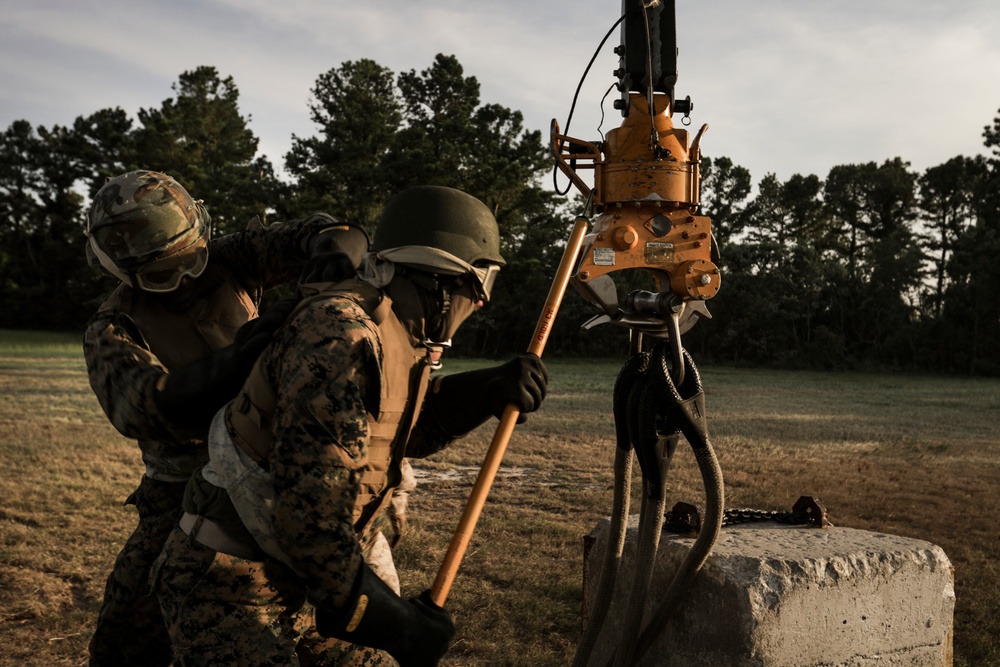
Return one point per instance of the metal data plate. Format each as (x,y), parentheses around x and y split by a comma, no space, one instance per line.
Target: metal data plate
(659,253)
(604,257)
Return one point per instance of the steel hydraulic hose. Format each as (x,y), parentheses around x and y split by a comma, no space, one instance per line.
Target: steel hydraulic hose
(654,448)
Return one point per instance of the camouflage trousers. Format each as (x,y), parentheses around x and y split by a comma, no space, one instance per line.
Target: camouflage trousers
(224,610)
(401,500)
(130,627)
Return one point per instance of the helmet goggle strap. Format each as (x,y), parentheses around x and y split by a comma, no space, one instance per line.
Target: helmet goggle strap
(440,287)
(165,274)
(444,265)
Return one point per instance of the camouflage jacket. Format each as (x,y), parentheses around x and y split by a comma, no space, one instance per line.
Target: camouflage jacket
(133,340)
(325,366)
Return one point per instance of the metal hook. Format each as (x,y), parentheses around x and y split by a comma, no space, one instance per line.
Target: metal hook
(676,349)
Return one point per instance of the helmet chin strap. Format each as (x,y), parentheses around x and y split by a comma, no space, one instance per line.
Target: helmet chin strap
(437,322)
(462,303)
(431,308)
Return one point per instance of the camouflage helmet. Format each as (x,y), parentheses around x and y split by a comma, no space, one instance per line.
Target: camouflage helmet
(146,230)
(442,218)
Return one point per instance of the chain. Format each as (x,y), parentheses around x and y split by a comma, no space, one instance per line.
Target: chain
(731,517)
(685,518)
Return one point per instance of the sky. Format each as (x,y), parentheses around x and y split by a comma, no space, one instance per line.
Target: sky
(785,86)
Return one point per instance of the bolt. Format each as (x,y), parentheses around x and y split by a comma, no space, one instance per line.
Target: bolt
(585,275)
(706,279)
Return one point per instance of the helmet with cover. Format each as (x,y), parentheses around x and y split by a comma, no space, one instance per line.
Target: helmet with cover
(446,244)
(146,230)
(443,231)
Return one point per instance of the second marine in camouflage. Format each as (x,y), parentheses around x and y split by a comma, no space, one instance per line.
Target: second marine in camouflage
(304,460)
(167,348)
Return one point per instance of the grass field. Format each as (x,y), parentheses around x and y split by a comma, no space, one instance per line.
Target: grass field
(913,456)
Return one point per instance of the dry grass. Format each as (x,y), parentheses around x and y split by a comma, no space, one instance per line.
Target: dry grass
(914,456)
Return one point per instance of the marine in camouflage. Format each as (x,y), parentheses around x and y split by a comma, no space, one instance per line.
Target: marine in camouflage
(126,359)
(129,345)
(324,366)
(130,628)
(329,412)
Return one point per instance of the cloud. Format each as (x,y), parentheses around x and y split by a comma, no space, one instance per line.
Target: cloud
(786,87)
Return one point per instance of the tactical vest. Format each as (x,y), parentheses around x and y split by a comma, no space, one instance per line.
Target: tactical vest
(397,383)
(181,338)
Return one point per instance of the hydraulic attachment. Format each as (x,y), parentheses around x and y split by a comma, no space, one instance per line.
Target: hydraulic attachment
(645,191)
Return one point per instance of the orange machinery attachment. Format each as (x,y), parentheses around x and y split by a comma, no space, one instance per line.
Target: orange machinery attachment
(645,194)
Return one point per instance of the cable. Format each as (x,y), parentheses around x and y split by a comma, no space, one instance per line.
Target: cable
(605,97)
(576,95)
(654,138)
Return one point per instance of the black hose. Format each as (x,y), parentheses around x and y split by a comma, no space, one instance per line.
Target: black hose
(651,413)
(634,368)
(642,432)
(689,415)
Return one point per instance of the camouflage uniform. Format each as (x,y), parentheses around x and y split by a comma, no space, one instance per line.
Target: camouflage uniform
(129,345)
(327,368)
(401,501)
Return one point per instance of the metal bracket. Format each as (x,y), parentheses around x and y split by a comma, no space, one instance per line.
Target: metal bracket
(808,509)
(685,518)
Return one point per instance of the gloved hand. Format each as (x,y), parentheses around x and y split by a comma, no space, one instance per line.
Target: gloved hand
(190,396)
(335,254)
(463,401)
(415,632)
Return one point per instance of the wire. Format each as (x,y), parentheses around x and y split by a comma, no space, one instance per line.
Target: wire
(576,95)
(601,124)
(654,138)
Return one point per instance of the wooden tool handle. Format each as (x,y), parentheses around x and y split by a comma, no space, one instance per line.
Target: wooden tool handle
(494,455)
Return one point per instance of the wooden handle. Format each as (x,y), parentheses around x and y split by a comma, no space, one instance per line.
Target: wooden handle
(494,455)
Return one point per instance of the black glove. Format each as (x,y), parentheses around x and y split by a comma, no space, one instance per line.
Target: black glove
(415,632)
(335,254)
(190,396)
(463,401)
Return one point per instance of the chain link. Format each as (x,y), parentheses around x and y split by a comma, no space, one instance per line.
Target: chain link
(732,517)
(680,522)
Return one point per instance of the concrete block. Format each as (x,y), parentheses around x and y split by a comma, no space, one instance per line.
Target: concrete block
(774,595)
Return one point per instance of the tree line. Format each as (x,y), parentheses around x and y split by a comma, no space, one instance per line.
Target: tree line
(875,266)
